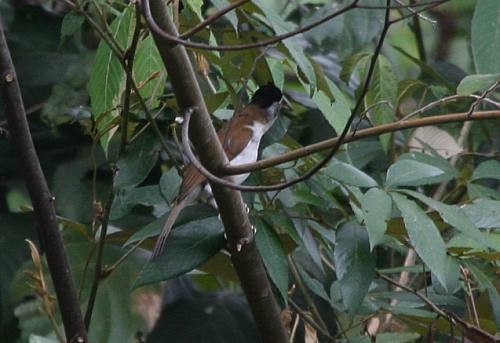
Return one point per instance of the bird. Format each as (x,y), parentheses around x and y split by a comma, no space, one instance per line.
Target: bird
(240,139)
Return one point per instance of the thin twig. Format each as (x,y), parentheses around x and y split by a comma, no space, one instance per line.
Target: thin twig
(482,97)
(447,99)
(98,262)
(417,12)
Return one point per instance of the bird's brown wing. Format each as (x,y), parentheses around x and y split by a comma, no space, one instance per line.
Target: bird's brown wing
(238,138)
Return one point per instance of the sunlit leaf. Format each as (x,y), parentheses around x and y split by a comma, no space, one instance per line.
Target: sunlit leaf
(107,77)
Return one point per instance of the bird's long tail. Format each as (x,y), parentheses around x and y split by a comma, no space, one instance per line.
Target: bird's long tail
(167,227)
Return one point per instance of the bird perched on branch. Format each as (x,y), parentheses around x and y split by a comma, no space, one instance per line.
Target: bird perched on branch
(240,138)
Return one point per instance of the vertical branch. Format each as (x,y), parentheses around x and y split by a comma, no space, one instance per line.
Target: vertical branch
(246,260)
(43,201)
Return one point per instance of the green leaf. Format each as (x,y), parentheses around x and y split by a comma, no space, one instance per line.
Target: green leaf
(107,77)
(128,197)
(71,23)
(485,37)
(377,210)
(411,173)
(408,87)
(355,265)
(312,284)
(169,185)
(274,257)
(281,221)
(487,170)
(351,63)
(383,87)
(336,111)
(425,237)
(134,166)
(187,247)
(349,174)
(484,213)
(148,68)
(195,6)
(189,214)
(475,83)
(230,16)
(292,44)
(454,216)
(435,160)
(475,191)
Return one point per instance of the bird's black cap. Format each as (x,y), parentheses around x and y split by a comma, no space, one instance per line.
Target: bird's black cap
(266,95)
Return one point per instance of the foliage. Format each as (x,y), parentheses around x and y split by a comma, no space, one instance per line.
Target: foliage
(326,243)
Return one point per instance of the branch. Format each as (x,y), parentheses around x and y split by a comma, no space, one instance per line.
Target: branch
(174,39)
(43,201)
(370,132)
(247,261)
